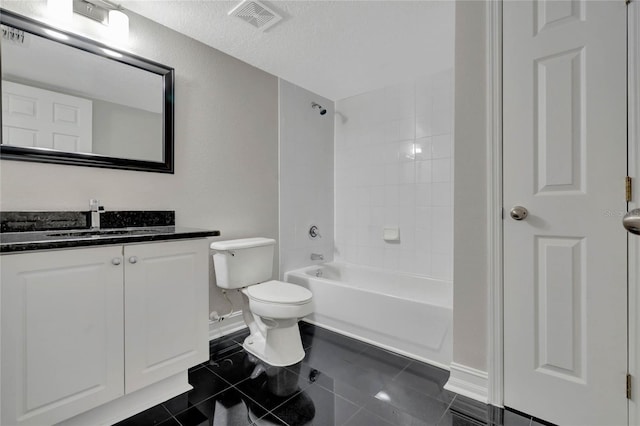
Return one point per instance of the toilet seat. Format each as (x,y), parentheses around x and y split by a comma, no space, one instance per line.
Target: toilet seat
(279,301)
(278,292)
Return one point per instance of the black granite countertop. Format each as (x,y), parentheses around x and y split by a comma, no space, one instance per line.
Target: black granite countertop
(11,242)
(27,231)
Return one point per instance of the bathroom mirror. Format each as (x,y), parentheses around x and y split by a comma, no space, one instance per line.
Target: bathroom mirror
(70,100)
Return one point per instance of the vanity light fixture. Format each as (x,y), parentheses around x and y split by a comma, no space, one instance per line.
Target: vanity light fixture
(103,11)
(119,25)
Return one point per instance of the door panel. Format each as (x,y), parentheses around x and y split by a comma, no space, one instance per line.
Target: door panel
(565,161)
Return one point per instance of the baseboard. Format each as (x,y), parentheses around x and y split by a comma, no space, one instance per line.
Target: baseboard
(133,403)
(468,382)
(233,322)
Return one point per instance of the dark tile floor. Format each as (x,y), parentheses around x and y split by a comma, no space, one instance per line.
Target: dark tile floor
(341,381)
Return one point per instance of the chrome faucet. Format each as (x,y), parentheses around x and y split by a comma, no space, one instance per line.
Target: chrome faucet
(316,256)
(96,210)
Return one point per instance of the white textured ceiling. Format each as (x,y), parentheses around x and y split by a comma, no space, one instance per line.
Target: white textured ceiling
(336,49)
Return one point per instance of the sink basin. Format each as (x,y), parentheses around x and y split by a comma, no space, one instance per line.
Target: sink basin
(102,232)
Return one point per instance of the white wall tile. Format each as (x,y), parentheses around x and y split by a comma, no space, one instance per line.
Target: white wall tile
(423,171)
(441,171)
(423,149)
(423,239)
(393,169)
(423,193)
(441,266)
(423,264)
(441,194)
(391,259)
(441,146)
(441,122)
(424,95)
(423,125)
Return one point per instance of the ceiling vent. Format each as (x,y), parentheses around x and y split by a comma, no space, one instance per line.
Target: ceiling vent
(256,14)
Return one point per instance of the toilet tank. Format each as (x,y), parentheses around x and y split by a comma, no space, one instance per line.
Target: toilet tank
(240,263)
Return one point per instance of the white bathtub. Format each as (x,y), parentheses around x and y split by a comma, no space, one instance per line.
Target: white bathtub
(407,314)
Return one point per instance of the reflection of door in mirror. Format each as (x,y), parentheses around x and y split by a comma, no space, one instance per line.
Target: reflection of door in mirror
(33,117)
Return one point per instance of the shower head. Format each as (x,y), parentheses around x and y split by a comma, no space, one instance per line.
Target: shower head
(322,110)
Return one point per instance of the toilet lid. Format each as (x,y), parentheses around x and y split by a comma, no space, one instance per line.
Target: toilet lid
(279,292)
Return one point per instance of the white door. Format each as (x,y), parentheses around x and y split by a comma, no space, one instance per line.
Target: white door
(34,117)
(62,333)
(166,310)
(565,265)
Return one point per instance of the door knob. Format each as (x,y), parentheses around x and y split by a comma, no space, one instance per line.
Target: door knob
(631,221)
(116,261)
(519,213)
(133,259)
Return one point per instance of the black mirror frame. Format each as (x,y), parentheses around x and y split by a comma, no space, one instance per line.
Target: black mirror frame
(44,155)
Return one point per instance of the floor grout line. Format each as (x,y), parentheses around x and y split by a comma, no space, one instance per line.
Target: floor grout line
(400,372)
(446,409)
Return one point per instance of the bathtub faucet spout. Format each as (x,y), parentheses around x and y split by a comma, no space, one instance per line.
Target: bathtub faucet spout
(316,256)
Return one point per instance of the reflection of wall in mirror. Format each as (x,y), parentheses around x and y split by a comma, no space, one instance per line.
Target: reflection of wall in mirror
(125,132)
(56,66)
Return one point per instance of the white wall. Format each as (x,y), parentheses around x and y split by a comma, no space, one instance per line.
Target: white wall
(470,290)
(226,161)
(394,169)
(306,177)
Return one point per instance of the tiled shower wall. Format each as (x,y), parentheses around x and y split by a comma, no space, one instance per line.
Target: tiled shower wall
(306,177)
(393,168)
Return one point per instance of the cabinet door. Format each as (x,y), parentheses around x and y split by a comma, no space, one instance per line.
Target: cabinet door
(166,310)
(62,333)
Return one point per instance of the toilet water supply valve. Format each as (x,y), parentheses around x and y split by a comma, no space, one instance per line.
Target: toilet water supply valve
(214,316)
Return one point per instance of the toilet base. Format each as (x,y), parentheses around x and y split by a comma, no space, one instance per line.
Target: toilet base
(279,347)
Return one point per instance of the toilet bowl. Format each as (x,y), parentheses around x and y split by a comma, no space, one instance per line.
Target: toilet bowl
(271,309)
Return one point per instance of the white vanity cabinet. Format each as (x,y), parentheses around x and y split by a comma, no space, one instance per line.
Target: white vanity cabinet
(85,326)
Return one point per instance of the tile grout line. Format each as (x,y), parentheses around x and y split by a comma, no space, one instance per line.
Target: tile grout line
(259,404)
(447,409)
(400,372)
(167,410)
(285,401)
(194,405)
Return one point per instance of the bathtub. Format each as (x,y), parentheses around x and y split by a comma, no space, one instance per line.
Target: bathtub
(403,313)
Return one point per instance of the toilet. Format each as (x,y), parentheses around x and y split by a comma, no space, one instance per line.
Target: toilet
(271,309)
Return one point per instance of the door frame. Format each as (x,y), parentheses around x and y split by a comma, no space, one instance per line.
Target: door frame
(494,123)
(495,356)
(633,82)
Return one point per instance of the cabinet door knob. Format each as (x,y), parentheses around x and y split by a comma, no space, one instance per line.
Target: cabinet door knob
(116,261)
(133,259)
